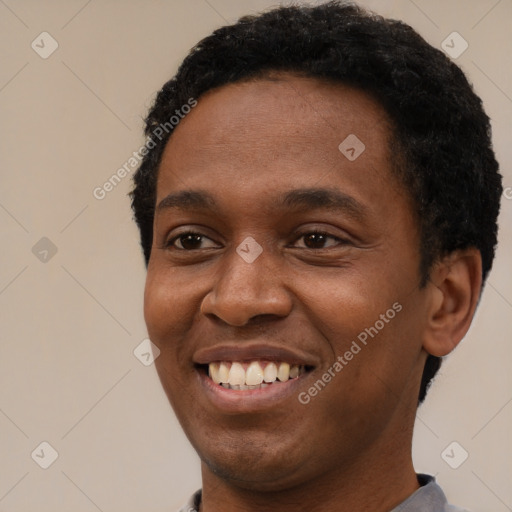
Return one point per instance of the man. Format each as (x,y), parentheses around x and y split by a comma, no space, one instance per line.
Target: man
(317,210)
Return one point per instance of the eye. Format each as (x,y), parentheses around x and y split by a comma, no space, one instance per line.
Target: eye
(191,240)
(188,241)
(318,239)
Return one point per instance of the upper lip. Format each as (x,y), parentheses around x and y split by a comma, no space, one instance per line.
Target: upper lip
(253,351)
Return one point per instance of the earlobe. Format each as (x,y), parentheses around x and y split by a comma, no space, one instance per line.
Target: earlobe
(453,292)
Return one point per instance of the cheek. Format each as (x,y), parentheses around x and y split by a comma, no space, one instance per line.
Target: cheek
(169,312)
(371,321)
(345,303)
(168,317)
(166,301)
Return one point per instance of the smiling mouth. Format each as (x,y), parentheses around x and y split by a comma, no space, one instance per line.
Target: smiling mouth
(256,374)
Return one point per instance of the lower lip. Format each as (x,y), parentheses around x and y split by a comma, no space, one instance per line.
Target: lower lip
(251,400)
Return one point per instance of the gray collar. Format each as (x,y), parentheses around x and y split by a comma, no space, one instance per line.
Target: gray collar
(428,498)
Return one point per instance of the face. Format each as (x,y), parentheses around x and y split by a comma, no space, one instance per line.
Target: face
(275,251)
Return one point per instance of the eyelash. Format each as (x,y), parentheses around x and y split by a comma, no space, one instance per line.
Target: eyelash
(341,241)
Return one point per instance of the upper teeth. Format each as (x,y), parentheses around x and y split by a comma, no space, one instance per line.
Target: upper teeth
(255,373)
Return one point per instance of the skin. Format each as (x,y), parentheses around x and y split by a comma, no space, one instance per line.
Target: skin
(349,448)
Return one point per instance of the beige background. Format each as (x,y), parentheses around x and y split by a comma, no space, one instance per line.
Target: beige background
(70,324)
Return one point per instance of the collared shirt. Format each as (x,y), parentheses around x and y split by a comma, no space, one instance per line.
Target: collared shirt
(428,498)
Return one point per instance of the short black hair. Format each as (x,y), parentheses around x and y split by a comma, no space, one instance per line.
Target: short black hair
(441,134)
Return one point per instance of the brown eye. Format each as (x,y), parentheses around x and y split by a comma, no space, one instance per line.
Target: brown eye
(318,240)
(188,242)
(315,240)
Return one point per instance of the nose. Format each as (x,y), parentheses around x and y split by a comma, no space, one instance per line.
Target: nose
(244,291)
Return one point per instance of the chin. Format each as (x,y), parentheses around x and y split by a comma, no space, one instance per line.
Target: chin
(259,476)
(266,466)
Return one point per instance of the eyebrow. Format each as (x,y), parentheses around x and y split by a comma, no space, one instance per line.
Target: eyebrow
(303,198)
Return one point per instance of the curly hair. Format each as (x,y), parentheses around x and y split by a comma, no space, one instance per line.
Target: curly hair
(441,133)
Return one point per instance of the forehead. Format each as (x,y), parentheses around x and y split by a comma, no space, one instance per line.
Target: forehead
(279,129)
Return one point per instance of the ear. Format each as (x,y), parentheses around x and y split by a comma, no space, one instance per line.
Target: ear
(453,291)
